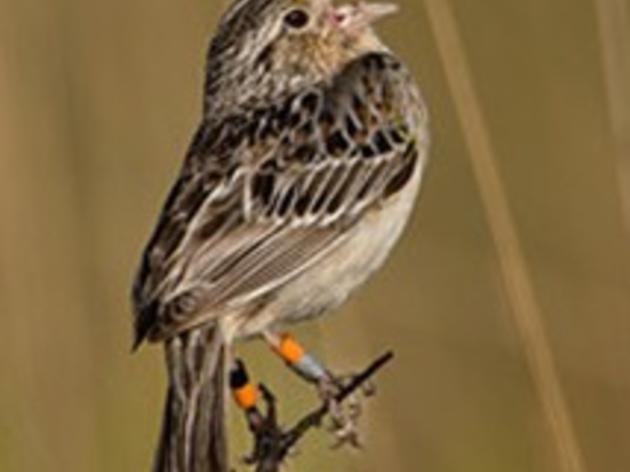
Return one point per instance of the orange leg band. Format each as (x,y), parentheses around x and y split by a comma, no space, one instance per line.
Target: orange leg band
(244,392)
(293,354)
(246,396)
(289,349)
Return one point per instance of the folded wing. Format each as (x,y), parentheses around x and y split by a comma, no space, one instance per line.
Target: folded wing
(266,194)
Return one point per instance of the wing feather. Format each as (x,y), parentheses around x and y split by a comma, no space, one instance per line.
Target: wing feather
(247,217)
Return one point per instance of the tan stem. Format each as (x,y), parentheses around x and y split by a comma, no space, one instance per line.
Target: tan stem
(527,315)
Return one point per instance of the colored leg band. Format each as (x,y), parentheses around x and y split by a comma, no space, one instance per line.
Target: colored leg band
(244,392)
(309,368)
(289,349)
(293,354)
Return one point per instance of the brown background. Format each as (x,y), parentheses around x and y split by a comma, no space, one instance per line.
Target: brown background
(98,100)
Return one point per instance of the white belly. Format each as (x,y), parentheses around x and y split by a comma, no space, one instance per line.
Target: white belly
(329,282)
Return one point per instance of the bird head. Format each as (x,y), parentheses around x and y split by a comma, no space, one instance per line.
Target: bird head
(264,48)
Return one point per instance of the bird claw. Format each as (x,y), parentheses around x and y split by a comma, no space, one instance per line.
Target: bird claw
(346,434)
(344,415)
(273,443)
(269,436)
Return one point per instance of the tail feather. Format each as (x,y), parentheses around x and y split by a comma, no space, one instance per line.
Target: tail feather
(194,437)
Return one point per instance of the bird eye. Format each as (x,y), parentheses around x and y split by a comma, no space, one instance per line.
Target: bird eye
(297,18)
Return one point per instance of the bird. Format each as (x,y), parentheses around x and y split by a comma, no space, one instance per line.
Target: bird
(299,180)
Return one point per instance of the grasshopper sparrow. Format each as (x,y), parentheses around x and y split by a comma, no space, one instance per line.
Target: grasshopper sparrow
(298,182)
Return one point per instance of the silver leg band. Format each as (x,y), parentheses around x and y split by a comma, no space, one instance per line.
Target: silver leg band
(309,368)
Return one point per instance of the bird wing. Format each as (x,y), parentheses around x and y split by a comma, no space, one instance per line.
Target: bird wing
(268,193)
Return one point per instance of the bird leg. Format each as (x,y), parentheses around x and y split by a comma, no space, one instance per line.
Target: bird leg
(272,442)
(344,415)
(245,394)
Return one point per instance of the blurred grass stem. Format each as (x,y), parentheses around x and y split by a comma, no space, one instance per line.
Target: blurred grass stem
(614,32)
(524,306)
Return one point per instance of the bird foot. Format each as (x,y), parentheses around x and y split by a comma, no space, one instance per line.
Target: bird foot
(271,442)
(344,413)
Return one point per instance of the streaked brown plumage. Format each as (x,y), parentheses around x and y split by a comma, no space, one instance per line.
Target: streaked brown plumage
(297,184)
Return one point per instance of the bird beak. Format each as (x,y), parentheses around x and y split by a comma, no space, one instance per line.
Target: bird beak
(372,12)
(358,16)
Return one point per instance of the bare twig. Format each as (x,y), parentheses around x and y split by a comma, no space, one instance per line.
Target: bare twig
(272,443)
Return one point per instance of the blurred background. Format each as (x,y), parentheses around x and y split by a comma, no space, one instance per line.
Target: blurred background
(98,101)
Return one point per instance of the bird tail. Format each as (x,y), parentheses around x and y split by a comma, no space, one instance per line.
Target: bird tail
(194,436)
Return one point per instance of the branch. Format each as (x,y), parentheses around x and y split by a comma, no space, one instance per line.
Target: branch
(272,444)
